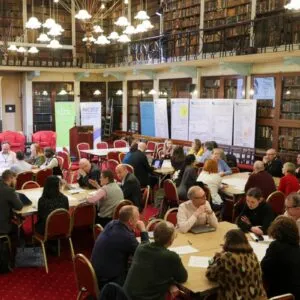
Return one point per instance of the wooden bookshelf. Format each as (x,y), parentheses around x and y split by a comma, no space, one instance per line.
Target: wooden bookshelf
(113,87)
(175,88)
(265,7)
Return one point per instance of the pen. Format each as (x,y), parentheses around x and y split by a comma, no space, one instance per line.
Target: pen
(190,243)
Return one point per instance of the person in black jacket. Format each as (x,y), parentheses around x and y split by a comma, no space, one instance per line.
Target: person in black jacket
(51,200)
(130,186)
(9,200)
(281,264)
(86,172)
(257,215)
(273,164)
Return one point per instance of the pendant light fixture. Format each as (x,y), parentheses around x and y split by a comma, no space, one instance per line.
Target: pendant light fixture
(54,44)
(33,22)
(33,50)
(97,93)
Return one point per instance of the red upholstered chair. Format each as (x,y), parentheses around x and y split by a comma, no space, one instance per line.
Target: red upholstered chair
(283,297)
(113,155)
(60,162)
(111,165)
(171,195)
(145,197)
(45,139)
(276,200)
(120,144)
(82,146)
(102,145)
(97,230)
(30,185)
(15,139)
(171,215)
(119,206)
(84,215)
(151,225)
(66,160)
(22,178)
(42,175)
(86,279)
(151,146)
(159,147)
(58,226)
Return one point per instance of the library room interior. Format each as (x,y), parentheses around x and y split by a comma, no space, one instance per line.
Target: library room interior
(150,149)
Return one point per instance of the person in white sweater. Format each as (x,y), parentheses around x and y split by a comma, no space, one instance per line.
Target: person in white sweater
(196,211)
(212,179)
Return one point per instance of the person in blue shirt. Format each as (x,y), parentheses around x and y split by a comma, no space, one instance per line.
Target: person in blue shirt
(223,168)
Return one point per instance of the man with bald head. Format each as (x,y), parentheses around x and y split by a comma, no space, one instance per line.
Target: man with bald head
(130,186)
(261,179)
(196,211)
(273,164)
(86,172)
(116,244)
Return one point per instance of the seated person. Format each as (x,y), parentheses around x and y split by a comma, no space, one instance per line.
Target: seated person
(236,269)
(292,206)
(178,158)
(289,182)
(186,177)
(86,172)
(273,164)
(167,150)
(37,157)
(197,148)
(9,201)
(208,148)
(130,186)
(51,162)
(51,199)
(20,165)
(7,157)
(155,269)
(257,215)
(115,245)
(298,166)
(261,179)
(281,264)
(107,196)
(196,211)
(223,168)
(133,148)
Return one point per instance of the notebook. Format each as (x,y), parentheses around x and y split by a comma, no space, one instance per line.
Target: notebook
(202,229)
(166,163)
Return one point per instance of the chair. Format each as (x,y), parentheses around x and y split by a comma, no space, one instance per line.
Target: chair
(235,170)
(102,145)
(113,155)
(129,168)
(151,225)
(171,215)
(15,139)
(60,162)
(160,153)
(58,226)
(30,185)
(86,279)
(276,200)
(237,209)
(121,156)
(145,197)
(159,147)
(283,297)
(151,146)
(22,178)
(66,160)
(66,150)
(171,195)
(80,147)
(42,175)
(119,206)
(97,230)
(46,138)
(120,144)
(84,215)
(111,165)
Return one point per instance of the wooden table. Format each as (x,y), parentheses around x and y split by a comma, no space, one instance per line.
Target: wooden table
(104,152)
(163,173)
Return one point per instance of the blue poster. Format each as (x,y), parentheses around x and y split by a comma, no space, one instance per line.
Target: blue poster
(147,118)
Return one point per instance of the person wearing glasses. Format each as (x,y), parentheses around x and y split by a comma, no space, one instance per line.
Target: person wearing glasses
(292,206)
(196,211)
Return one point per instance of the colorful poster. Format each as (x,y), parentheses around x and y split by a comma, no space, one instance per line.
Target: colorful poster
(90,115)
(147,118)
(180,119)
(161,118)
(64,120)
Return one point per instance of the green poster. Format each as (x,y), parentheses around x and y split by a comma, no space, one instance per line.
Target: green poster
(64,120)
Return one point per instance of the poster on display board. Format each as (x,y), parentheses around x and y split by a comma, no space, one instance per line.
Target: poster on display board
(90,115)
(264,89)
(147,118)
(180,119)
(64,120)
(161,118)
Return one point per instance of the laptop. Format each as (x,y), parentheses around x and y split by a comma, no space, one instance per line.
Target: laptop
(156,163)
(24,199)
(202,229)
(166,163)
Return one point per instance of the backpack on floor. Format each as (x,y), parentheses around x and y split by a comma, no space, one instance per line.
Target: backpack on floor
(4,257)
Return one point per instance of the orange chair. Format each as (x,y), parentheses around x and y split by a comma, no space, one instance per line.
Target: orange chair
(171,195)
(84,215)
(119,206)
(121,156)
(86,279)
(113,155)
(171,215)
(22,178)
(151,225)
(102,145)
(120,144)
(235,170)
(42,175)
(283,297)
(80,147)
(97,230)
(46,138)
(111,165)
(30,185)
(276,200)
(58,226)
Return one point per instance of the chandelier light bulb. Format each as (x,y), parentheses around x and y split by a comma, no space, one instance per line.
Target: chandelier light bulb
(33,23)
(113,35)
(12,48)
(43,38)
(98,29)
(119,92)
(97,93)
(83,15)
(89,39)
(294,4)
(102,40)
(147,24)
(22,50)
(33,50)
(125,1)
(142,15)
(63,92)
(124,39)
(129,30)
(56,30)
(45,93)
(140,28)
(49,23)
(122,21)
(102,6)
(152,92)
(54,44)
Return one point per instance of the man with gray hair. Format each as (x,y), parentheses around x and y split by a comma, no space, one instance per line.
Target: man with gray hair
(86,172)
(292,206)
(196,211)
(261,179)
(155,269)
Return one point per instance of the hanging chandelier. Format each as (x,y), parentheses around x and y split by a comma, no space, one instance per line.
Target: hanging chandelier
(102,40)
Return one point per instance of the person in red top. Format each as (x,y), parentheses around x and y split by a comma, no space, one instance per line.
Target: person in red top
(289,182)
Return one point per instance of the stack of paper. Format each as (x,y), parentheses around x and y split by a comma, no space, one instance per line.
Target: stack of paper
(199,261)
(259,249)
(184,250)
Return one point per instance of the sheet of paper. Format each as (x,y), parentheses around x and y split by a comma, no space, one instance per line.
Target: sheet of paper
(259,249)
(266,238)
(238,183)
(199,261)
(184,250)
(76,191)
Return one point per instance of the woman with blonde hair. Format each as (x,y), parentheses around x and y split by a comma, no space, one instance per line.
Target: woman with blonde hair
(37,157)
(197,148)
(167,150)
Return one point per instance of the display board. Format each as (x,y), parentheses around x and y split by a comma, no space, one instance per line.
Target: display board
(264,89)
(64,120)
(180,119)
(160,118)
(147,118)
(244,123)
(90,114)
